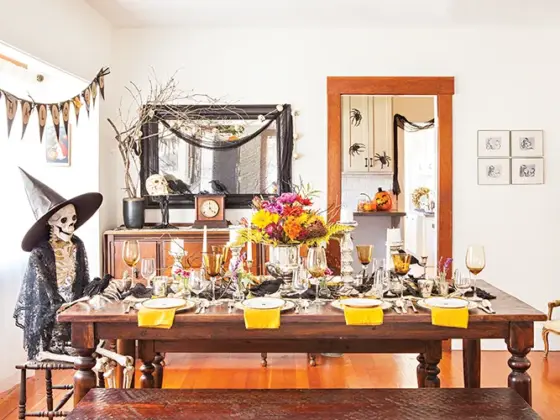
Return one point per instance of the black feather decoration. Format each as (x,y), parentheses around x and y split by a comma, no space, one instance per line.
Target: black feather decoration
(97,285)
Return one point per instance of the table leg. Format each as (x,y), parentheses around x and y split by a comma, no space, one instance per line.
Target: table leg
(147,355)
(158,373)
(83,340)
(471,363)
(421,370)
(519,343)
(432,357)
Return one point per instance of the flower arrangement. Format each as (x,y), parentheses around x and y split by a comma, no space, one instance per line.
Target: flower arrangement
(288,220)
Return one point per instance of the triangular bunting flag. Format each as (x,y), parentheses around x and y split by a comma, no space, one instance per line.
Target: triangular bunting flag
(93,88)
(11,110)
(101,83)
(55,114)
(77,105)
(65,108)
(42,113)
(86,94)
(26,109)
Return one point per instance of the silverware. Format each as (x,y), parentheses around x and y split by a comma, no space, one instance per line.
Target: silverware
(396,308)
(128,307)
(400,303)
(199,308)
(412,306)
(486,303)
(484,308)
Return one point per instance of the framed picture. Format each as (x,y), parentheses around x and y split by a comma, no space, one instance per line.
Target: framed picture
(57,150)
(527,143)
(527,171)
(494,171)
(493,144)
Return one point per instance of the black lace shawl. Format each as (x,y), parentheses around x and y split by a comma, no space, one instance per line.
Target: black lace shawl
(38,300)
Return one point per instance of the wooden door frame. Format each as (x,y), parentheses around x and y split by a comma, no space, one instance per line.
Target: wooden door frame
(441,87)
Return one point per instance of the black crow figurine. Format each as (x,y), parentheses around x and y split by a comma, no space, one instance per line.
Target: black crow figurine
(97,285)
(218,187)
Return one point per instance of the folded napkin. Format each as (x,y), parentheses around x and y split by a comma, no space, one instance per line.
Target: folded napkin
(363,316)
(156,318)
(450,317)
(262,319)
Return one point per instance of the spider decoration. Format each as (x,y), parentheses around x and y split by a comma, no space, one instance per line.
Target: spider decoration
(356,149)
(355,117)
(383,159)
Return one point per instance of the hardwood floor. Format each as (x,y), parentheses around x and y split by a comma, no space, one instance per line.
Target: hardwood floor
(350,371)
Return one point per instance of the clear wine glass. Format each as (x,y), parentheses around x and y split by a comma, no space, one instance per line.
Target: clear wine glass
(462,283)
(475,261)
(197,282)
(317,266)
(380,284)
(300,283)
(213,267)
(131,256)
(148,270)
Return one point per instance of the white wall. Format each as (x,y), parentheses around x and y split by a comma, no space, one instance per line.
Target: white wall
(76,39)
(502,81)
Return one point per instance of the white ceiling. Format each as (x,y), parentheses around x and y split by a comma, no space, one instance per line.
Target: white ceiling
(340,13)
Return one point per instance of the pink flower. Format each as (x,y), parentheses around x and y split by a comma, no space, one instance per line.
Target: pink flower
(328,272)
(287,198)
(272,207)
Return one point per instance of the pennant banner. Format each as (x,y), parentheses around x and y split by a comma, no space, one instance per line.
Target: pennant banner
(57,110)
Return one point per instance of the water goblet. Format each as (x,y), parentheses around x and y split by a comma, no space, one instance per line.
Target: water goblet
(317,267)
(131,256)
(300,284)
(364,255)
(213,266)
(197,282)
(148,270)
(401,263)
(462,283)
(475,261)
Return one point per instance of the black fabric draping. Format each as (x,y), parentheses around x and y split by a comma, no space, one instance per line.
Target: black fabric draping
(400,121)
(285,128)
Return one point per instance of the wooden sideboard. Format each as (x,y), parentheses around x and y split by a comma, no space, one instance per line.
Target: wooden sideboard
(156,243)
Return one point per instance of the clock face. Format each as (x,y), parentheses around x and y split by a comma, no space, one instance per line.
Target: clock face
(210,208)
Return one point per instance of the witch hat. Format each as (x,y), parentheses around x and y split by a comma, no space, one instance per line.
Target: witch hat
(45,202)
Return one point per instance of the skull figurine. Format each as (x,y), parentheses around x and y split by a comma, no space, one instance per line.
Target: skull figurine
(157,185)
(63,223)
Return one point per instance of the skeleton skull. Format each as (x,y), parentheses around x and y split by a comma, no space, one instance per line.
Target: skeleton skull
(157,185)
(63,222)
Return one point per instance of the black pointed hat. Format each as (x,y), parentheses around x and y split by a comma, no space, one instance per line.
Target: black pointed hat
(45,202)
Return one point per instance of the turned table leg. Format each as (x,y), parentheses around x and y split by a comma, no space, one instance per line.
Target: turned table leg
(312,359)
(264,362)
(519,343)
(147,355)
(471,363)
(432,357)
(158,372)
(83,340)
(421,370)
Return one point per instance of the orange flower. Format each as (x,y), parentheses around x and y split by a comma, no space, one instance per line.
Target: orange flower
(292,228)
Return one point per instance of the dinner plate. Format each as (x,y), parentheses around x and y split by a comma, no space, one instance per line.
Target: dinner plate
(263,303)
(164,303)
(443,302)
(422,303)
(288,306)
(338,304)
(360,302)
(188,305)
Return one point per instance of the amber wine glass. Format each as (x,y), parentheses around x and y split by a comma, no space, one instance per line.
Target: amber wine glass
(475,261)
(364,255)
(317,267)
(213,267)
(401,262)
(131,256)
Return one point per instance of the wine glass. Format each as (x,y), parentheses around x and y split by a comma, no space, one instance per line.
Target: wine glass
(148,270)
(317,266)
(380,284)
(401,262)
(475,261)
(462,283)
(197,282)
(213,266)
(131,255)
(364,255)
(300,283)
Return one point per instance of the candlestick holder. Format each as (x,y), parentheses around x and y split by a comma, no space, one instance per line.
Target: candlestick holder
(249,265)
(347,258)
(177,266)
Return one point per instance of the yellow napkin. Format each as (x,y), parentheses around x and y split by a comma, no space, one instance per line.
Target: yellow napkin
(262,319)
(363,316)
(447,317)
(156,318)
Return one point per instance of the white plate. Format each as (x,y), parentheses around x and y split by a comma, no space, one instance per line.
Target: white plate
(360,302)
(263,303)
(422,303)
(164,303)
(288,306)
(442,302)
(338,305)
(189,305)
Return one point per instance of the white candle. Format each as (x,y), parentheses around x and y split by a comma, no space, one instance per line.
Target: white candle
(394,236)
(177,246)
(233,234)
(249,251)
(205,240)
(346,216)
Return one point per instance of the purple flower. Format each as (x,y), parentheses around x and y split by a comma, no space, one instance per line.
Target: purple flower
(328,271)
(447,264)
(287,198)
(273,230)
(272,207)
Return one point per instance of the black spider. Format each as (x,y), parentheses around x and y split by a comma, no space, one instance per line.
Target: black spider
(355,117)
(356,149)
(383,159)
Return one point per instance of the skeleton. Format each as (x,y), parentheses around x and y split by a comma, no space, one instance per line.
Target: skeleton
(157,185)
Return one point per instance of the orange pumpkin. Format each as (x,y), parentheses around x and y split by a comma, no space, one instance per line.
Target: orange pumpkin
(369,206)
(383,200)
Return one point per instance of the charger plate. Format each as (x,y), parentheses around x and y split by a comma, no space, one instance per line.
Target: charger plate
(288,306)
(361,302)
(263,303)
(439,302)
(164,303)
(337,304)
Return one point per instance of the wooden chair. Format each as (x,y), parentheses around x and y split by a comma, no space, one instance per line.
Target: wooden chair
(550,326)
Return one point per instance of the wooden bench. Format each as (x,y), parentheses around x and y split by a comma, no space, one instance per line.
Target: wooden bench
(316,404)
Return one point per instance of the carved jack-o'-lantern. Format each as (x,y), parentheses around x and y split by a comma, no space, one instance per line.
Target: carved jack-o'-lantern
(383,200)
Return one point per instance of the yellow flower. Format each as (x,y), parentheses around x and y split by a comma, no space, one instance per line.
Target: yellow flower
(263,218)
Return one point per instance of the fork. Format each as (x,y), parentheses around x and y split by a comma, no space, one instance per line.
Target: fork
(400,303)
(412,306)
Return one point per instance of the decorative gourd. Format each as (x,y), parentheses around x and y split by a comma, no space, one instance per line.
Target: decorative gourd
(383,200)
(369,205)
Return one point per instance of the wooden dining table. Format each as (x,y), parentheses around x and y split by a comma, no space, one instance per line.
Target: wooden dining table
(319,329)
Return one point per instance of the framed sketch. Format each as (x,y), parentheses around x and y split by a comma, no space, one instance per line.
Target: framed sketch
(494,172)
(527,143)
(493,143)
(527,171)
(57,150)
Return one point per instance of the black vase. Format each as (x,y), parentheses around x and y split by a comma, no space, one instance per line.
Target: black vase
(133,213)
